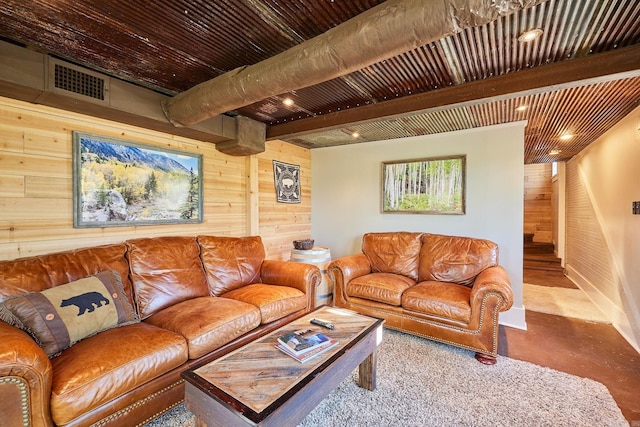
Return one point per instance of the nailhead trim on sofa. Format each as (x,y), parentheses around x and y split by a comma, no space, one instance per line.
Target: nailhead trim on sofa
(139,403)
(24,397)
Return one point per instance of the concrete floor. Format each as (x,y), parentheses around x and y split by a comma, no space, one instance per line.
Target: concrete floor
(586,349)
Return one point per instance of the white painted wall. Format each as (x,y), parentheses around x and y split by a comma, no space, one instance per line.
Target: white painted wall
(609,172)
(346,194)
(559,211)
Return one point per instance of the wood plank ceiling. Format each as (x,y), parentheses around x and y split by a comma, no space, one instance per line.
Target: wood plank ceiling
(580,77)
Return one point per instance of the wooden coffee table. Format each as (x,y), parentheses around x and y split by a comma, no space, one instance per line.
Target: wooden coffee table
(259,385)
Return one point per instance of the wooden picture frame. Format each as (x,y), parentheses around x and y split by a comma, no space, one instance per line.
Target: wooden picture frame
(434,185)
(123,183)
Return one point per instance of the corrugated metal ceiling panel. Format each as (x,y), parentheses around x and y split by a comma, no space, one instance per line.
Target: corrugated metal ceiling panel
(547,115)
(312,18)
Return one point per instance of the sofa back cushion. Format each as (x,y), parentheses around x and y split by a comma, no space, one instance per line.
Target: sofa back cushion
(164,272)
(455,259)
(23,275)
(37,273)
(393,252)
(231,262)
(65,267)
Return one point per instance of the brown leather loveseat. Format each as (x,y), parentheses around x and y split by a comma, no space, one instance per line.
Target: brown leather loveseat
(112,327)
(446,288)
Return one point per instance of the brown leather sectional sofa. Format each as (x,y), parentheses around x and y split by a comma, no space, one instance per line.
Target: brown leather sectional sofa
(183,300)
(446,288)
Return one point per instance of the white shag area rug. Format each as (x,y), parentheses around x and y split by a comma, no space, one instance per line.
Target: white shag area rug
(423,383)
(565,302)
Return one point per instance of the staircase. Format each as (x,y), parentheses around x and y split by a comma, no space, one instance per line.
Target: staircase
(539,256)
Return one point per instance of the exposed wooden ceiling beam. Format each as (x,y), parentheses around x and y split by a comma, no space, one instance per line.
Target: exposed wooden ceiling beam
(611,65)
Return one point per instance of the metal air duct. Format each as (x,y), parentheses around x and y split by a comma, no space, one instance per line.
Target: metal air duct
(382,32)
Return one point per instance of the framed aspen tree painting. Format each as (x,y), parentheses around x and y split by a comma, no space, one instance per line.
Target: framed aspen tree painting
(425,186)
(122,183)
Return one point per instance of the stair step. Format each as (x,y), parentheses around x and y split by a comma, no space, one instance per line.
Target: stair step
(542,265)
(546,251)
(559,270)
(540,257)
(542,237)
(533,243)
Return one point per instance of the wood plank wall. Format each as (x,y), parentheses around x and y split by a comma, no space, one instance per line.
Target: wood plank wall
(282,223)
(537,202)
(36,200)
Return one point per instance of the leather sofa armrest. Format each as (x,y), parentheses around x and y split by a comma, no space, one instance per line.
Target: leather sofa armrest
(25,379)
(496,280)
(305,277)
(345,269)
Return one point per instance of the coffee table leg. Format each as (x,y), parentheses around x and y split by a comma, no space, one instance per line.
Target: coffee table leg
(367,372)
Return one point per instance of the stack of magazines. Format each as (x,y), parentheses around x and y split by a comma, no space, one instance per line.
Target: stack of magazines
(305,344)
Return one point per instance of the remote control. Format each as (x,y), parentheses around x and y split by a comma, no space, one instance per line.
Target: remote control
(322,323)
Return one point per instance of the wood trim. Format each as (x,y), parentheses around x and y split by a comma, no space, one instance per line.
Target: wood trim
(611,65)
(253,209)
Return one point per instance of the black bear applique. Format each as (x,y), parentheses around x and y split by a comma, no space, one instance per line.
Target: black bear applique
(85,302)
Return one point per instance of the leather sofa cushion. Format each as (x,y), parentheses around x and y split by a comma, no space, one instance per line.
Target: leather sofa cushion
(381,287)
(165,271)
(395,252)
(65,267)
(35,274)
(231,262)
(105,366)
(207,322)
(274,302)
(446,300)
(22,276)
(455,259)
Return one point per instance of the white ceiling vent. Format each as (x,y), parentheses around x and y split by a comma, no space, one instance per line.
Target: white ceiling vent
(78,82)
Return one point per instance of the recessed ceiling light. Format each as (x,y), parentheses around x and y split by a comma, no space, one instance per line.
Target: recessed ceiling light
(355,134)
(566,136)
(530,35)
(554,152)
(288,102)
(522,108)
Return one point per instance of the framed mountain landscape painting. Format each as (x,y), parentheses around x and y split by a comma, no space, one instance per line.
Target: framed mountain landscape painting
(122,183)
